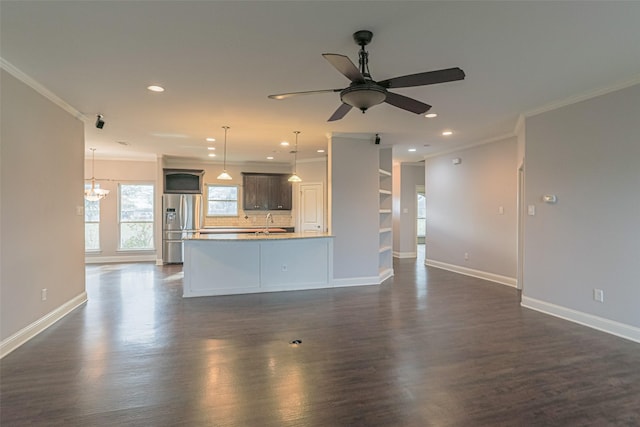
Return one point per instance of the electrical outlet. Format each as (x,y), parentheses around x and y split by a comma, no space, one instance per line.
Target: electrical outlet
(598,295)
(284,267)
(43,294)
(466,255)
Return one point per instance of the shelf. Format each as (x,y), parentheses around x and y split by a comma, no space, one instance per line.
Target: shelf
(385,211)
(381,191)
(385,230)
(384,172)
(385,249)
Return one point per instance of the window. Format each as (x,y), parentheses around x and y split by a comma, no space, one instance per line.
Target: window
(135,205)
(222,200)
(91,223)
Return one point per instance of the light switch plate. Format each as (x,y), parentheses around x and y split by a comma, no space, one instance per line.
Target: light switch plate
(531,210)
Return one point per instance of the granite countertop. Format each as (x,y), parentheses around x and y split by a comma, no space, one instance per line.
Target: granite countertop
(253,236)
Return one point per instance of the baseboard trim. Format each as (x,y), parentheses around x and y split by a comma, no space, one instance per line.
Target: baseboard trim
(119,258)
(356,281)
(25,334)
(385,274)
(612,327)
(405,254)
(492,277)
(159,261)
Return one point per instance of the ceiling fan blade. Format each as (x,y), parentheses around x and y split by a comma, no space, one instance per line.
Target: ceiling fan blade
(422,79)
(340,112)
(407,103)
(309,92)
(345,66)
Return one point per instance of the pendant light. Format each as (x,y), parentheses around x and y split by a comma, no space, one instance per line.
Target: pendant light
(295,177)
(224,175)
(94,194)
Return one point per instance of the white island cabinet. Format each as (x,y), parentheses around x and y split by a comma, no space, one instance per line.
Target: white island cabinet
(227,264)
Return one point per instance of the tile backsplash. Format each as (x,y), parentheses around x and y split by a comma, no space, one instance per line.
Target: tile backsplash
(251,219)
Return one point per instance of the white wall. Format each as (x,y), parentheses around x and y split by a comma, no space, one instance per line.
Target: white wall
(588,154)
(354,204)
(41,182)
(111,173)
(463,216)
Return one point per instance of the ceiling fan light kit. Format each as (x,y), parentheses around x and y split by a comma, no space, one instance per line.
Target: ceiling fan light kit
(363,96)
(364,92)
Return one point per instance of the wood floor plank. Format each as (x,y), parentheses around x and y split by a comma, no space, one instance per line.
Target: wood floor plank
(426,348)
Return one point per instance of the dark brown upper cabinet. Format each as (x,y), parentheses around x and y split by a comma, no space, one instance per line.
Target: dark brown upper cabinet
(266,191)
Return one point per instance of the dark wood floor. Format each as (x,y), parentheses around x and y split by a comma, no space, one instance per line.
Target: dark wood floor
(427,348)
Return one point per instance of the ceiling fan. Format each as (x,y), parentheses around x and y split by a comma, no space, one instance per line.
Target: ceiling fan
(364,92)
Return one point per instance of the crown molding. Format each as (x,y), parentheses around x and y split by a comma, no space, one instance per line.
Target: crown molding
(473,145)
(35,85)
(582,97)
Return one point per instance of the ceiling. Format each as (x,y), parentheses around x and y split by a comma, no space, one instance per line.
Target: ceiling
(218,61)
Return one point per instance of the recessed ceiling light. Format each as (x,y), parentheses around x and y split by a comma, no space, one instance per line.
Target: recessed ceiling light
(211,139)
(212,154)
(411,150)
(284,143)
(270,158)
(447,133)
(154,88)
(431,115)
(211,148)
(321,151)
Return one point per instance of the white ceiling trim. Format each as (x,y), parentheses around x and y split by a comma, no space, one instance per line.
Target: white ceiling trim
(468,146)
(32,83)
(582,97)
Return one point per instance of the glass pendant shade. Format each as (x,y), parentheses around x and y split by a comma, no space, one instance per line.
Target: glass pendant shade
(224,175)
(294,178)
(94,194)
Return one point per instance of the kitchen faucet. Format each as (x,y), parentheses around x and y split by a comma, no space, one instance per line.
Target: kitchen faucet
(266,226)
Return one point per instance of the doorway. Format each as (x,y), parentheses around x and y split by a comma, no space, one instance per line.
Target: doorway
(421,220)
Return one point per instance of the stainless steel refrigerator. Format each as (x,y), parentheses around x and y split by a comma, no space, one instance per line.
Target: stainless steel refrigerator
(181,214)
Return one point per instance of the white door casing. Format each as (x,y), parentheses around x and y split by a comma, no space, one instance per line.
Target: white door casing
(311,208)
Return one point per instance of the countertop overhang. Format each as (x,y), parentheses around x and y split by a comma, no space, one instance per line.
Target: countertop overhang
(226,230)
(253,236)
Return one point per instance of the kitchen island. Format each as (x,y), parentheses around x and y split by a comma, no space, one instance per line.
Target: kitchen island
(228,264)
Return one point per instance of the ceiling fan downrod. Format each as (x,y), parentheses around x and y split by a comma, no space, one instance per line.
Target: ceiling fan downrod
(363,38)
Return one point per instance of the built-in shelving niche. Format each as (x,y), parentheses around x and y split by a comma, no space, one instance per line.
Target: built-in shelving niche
(385,263)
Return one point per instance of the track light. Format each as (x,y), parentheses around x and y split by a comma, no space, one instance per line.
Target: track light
(377,140)
(99,122)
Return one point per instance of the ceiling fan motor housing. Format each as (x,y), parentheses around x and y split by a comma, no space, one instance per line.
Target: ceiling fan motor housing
(363,95)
